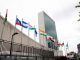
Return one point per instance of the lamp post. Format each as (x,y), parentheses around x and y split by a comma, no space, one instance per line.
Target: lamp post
(11,48)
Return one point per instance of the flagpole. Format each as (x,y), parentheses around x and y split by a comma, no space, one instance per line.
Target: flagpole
(34,34)
(12,40)
(28,31)
(39,37)
(4,23)
(66,51)
(15,25)
(21,35)
(35,38)
(14,28)
(66,48)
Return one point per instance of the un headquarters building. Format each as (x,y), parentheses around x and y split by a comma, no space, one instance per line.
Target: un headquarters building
(25,46)
(47,25)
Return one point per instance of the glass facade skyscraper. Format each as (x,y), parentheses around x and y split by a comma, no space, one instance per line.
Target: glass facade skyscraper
(48,26)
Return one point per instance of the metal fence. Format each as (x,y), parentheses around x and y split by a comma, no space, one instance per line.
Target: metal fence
(23,52)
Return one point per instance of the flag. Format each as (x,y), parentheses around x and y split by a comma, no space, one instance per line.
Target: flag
(42,31)
(18,22)
(35,32)
(31,28)
(24,24)
(43,34)
(52,40)
(58,44)
(5,20)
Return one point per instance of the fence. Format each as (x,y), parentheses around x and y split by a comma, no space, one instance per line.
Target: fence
(23,52)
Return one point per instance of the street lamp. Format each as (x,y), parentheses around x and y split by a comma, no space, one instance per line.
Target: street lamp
(11,48)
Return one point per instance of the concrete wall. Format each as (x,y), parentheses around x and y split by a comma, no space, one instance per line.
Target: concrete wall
(58,53)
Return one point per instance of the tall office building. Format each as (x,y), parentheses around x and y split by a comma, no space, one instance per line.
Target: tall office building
(47,25)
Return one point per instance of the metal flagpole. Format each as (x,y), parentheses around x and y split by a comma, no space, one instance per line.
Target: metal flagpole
(34,34)
(15,25)
(3,29)
(28,44)
(4,24)
(28,30)
(66,48)
(12,40)
(35,42)
(66,51)
(21,36)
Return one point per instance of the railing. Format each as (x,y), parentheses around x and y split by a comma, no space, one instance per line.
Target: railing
(27,52)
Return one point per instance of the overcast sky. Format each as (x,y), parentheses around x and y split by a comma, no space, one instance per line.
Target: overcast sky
(63,12)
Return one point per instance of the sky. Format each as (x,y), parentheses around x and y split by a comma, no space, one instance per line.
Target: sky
(63,12)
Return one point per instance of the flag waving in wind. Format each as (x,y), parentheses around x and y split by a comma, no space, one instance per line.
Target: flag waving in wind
(5,20)
(21,23)
(18,22)
(24,24)
(33,28)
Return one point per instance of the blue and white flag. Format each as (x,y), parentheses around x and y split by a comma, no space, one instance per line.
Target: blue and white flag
(24,24)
